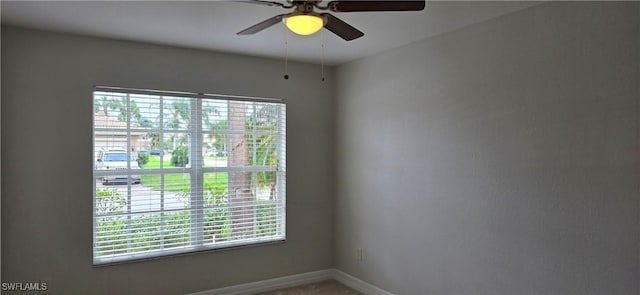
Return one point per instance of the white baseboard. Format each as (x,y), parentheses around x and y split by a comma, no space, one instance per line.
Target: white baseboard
(358,284)
(271,284)
(295,280)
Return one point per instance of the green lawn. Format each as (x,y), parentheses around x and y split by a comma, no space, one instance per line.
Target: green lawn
(217,158)
(154,163)
(179,182)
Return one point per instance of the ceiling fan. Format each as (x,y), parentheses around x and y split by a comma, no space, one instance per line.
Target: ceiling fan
(303,20)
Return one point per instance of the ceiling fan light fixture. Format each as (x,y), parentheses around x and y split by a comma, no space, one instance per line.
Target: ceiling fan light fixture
(305,23)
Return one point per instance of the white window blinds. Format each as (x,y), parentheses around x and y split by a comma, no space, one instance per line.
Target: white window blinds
(181,172)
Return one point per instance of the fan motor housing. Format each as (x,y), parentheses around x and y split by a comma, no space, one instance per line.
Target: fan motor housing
(304,6)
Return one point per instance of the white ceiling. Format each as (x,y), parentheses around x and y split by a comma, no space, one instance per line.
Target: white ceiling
(212,25)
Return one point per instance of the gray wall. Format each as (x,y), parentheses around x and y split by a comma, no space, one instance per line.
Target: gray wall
(47,81)
(501,158)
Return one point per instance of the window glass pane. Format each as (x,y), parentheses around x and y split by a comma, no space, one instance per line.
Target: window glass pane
(177,152)
(214,114)
(145,196)
(177,190)
(267,218)
(110,110)
(145,112)
(111,235)
(109,145)
(177,228)
(216,191)
(109,201)
(265,185)
(145,232)
(150,159)
(264,116)
(212,156)
(216,226)
(263,149)
(111,140)
(176,113)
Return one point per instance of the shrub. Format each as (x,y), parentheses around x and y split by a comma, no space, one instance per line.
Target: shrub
(180,156)
(109,200)
(143,159)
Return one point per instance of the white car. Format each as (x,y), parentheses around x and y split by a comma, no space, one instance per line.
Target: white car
(117,160)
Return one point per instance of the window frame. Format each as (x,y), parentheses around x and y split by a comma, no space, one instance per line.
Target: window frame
(196,172)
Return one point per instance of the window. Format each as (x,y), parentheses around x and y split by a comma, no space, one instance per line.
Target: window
(180,172)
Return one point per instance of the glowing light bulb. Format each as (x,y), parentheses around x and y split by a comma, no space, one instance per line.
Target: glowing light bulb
(304,24)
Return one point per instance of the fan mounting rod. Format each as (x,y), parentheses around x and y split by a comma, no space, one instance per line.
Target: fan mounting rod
(304,6)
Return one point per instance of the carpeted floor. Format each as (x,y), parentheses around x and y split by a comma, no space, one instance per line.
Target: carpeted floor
(322,288)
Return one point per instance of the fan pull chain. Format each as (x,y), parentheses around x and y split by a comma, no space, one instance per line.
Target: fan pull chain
(322,64)
(286,52)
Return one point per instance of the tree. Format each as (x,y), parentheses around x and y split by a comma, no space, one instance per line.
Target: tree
(239,182)
(219,137)
(101,105)
(154,138)
(120,104)
(180,156)
(181,113)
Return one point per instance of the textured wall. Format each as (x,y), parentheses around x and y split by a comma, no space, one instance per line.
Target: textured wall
(501,158)
(47,81)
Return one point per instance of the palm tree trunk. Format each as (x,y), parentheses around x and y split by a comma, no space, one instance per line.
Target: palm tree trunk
(239,182)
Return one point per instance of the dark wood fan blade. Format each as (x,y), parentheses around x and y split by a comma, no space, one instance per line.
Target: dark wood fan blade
(268,3)
(340,28)
(351,6)
(263,25)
